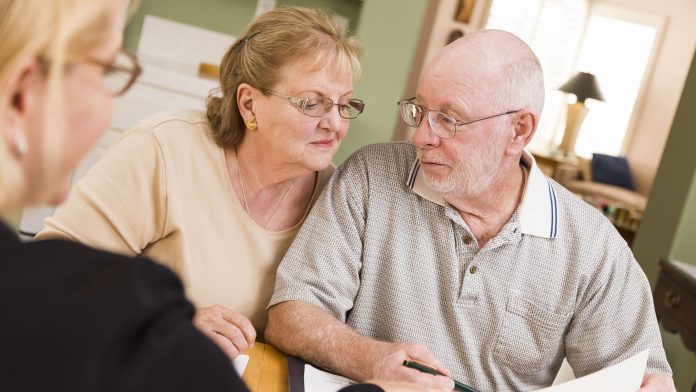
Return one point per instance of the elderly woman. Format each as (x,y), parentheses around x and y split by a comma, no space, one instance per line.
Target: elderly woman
(219,196)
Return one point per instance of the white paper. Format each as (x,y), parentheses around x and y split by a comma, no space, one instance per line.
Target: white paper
(240,363)
(625,376)
(316,380)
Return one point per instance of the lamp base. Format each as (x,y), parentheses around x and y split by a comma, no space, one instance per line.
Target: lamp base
(575,115)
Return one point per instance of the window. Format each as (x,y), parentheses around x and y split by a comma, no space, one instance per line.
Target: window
(569,36)
(610,31)
(553,29)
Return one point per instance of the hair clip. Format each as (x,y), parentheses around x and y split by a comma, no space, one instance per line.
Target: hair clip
(244,41)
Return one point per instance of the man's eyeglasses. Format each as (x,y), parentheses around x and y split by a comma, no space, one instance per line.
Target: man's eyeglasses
(320,106)
(443,125)
(121,73)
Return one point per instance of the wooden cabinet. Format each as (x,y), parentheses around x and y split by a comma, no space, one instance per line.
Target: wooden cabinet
(675,301)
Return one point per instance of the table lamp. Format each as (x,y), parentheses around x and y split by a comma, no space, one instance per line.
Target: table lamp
(583,85)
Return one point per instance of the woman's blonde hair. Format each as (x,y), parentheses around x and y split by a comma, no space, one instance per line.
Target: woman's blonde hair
(269,43)
(56,33)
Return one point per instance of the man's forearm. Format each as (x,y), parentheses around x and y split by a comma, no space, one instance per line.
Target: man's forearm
(301,329)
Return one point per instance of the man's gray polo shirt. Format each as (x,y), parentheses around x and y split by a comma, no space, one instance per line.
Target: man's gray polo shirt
(383,252)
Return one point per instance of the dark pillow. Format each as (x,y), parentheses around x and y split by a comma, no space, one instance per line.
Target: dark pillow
(612,170)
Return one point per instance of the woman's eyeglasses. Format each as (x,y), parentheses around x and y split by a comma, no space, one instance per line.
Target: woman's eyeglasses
(121,73)
(320,106)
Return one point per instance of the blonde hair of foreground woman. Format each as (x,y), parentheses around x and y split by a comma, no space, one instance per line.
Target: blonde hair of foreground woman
(56,33)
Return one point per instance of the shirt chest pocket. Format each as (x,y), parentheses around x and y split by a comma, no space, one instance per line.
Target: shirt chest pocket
(530,338)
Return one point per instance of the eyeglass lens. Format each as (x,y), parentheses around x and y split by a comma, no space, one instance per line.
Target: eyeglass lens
(122,73)
(443,125)
(318,107)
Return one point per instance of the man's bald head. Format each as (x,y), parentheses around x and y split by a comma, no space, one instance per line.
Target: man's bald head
(495,65)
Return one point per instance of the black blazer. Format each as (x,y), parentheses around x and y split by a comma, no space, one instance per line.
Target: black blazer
(76,319)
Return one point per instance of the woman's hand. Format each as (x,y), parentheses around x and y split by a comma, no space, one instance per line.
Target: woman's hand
(231,331)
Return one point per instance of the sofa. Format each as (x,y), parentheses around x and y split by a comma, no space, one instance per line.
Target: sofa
(578,179)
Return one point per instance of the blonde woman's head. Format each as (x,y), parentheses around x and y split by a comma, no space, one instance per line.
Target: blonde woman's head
(268,46)
(53,100)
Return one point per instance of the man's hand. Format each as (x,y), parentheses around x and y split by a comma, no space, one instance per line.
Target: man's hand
(385,362)
(338,348)
(658,382)
(231,331)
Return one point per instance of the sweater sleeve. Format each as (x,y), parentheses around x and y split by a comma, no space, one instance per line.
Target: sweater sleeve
(120,204)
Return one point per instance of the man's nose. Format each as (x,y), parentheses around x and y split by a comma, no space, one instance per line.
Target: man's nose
(424,136)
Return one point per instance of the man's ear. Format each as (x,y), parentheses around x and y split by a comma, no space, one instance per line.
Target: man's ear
(245,101)
(524,127)
(20,100)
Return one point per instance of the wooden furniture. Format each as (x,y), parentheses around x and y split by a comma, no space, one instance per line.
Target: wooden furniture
(675,300)
(625,218)
(267,370)
(549,164)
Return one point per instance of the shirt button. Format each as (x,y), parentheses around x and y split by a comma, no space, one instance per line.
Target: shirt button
(467,240)
(473,269)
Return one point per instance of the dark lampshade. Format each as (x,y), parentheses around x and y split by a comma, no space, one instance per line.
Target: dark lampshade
(583,85)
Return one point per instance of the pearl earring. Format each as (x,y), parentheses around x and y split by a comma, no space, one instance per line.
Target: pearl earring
(21,146)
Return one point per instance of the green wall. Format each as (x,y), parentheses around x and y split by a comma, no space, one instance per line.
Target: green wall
(684,247)
(669,225)
(390,30)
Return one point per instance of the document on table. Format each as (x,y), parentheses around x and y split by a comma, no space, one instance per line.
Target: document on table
(316,380)
(240,363)
(625,376)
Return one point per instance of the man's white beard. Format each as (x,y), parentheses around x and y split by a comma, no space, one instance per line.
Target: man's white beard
(471,177)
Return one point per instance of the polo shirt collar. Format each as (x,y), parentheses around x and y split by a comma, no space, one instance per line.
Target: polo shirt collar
(538,211)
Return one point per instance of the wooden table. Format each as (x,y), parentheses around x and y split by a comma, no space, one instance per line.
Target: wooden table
(267,370)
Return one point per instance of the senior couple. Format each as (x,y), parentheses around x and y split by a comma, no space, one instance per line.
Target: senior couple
(453,250)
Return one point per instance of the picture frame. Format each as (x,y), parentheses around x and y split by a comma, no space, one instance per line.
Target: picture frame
(464,11)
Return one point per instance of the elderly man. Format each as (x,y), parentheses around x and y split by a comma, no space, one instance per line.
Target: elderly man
(457,251)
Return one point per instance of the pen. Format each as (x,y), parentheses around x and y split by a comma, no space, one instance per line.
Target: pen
(459,386)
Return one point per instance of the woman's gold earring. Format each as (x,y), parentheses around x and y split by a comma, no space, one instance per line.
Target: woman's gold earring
(252,125)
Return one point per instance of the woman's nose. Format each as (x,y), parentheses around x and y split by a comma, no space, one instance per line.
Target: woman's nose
(332,120)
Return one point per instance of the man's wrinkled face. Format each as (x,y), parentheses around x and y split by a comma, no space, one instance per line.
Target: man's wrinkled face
(467,163)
